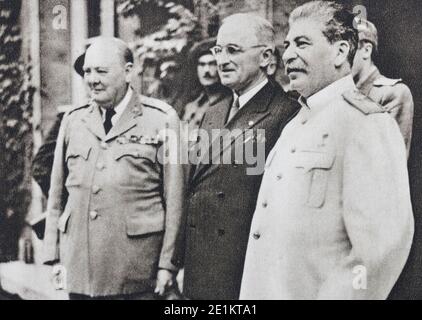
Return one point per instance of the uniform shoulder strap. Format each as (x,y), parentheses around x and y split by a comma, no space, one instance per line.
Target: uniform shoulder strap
(72,109)
(156,104)
(384,81)
(359,101)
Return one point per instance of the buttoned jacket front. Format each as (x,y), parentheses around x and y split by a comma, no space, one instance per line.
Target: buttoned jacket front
(333,218)
(222,195)
(115,202)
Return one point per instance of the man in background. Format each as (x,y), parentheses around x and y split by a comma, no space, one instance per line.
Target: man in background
(392,94)
(211,89)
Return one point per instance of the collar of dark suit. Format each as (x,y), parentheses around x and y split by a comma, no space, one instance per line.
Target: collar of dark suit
(261,100)
(258,104)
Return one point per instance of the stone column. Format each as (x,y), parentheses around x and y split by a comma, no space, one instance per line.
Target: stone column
(107,18)
(31,29)
(78,35)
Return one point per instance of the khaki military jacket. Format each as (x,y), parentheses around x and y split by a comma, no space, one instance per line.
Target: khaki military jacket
(114,207)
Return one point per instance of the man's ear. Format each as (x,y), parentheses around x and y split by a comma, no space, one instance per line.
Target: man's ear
(368,48)
(342,49)
(266,57)
(128,71)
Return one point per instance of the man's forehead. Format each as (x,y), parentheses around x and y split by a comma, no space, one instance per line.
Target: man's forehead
(305,27)
(238,34)
(208,57)
(99,56)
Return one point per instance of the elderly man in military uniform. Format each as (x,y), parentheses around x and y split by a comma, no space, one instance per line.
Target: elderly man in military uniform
(333,218)
(116,190)
(392,94)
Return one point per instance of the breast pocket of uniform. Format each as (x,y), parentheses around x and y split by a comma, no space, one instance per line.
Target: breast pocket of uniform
(136,153)
(133,161)
(317,167)
(76,158)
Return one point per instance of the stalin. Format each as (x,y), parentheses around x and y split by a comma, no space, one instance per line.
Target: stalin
(114,209)
(334,203)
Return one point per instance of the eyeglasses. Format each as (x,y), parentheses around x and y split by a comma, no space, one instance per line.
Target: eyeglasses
(231,49)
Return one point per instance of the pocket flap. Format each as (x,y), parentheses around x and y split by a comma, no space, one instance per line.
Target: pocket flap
(78,151)
(143,151)
(62,223)
(309,160)
(145,223)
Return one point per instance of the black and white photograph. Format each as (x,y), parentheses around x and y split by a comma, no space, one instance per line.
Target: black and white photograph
(220,150)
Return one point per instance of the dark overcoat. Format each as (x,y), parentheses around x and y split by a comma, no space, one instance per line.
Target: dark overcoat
(222,197)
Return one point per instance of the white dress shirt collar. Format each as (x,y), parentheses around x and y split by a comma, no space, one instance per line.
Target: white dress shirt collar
(120,107)
(244,98)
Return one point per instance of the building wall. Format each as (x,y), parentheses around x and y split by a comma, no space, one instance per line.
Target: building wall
(55,60)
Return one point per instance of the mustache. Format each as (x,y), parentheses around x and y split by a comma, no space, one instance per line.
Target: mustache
(224,69)
(96,86)
(295,69)
(208,76)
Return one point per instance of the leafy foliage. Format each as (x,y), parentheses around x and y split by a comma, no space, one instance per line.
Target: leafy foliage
(15,129)
(180,30)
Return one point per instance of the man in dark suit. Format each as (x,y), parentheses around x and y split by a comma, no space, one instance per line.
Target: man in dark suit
(222,197)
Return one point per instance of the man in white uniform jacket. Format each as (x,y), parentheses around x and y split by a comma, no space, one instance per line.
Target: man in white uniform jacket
(333,218)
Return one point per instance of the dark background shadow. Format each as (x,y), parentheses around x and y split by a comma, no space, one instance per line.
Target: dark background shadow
(399,25)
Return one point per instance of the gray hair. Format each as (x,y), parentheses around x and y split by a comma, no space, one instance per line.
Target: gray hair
(337,19)
(264,30)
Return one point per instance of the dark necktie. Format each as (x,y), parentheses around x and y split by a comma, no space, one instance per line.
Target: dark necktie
(234,109)
(107,123)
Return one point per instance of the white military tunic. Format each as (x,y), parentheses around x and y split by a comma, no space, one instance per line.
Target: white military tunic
(333,214)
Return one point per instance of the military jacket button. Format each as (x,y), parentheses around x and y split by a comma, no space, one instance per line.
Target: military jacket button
(93,215)
(95,189)
(103,145)
(256,235)
(100,166)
